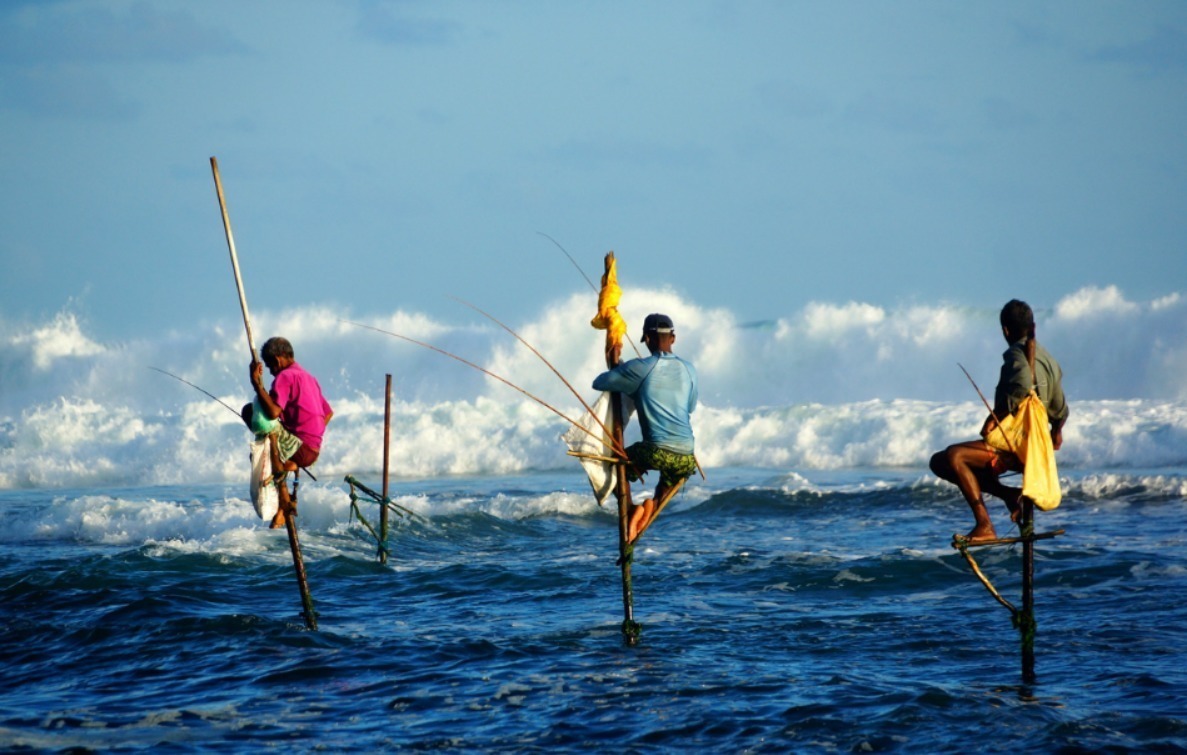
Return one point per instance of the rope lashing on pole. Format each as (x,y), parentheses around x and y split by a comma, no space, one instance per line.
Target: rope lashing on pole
(1022,619)
(356,488)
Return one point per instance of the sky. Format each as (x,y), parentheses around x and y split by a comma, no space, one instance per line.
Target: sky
(755,156)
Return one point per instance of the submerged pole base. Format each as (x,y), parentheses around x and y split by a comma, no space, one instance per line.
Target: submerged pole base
(631,631)
(307,612)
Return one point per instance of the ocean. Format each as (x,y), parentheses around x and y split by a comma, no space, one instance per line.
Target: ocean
(803,596)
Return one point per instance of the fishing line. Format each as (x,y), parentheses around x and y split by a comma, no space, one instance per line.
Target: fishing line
(533,349)
(500,378)
(203,390)
(587,280)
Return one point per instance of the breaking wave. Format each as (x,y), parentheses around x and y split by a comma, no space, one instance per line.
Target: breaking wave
(831,386)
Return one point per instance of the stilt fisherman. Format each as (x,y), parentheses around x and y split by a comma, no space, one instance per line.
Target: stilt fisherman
(294,409)
(663,388)
(976,465)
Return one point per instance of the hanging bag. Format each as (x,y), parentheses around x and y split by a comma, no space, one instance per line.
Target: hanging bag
(1027,434)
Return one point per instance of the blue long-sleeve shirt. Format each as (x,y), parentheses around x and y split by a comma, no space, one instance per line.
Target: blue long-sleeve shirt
(664,389)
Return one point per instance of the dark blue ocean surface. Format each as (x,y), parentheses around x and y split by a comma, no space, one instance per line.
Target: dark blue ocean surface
(797,612)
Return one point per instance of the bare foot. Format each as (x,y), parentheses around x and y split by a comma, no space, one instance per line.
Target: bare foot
(278,521)
(981,534)
(636,521)
(1015,507)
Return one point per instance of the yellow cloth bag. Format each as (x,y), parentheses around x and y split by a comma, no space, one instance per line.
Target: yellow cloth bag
(1027,434)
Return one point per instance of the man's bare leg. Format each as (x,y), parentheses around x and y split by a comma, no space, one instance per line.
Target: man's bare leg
(965,465)
(285,503)
(650,509)
(1011,496)
(641,515)
(284,507)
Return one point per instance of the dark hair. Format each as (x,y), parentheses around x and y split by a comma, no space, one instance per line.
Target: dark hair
(1018,319)
(276,347)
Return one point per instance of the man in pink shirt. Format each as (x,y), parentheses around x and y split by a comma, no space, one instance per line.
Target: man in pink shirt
(295,399)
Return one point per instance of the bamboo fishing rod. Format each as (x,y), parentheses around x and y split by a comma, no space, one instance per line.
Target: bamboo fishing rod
(282,486)
(543,359)
(580,271)
(996,422)
(566,253)
(488,373)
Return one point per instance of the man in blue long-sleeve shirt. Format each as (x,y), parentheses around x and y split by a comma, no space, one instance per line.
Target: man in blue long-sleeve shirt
(663,388)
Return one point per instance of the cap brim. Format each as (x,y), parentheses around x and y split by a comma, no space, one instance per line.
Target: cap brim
(658,332)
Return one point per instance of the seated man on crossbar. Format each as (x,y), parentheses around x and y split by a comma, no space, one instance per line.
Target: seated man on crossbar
(975,466)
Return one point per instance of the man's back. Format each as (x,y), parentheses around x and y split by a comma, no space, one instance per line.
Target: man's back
(1015,381)
(664,389)
(303,407)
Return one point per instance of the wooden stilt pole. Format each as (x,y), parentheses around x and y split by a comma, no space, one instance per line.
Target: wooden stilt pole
(290,523)
(631,629)
(622,492)
(1026,617)
(288,504)
(387,430)
(1023,618)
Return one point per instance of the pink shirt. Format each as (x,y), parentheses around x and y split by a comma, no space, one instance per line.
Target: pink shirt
(303,410)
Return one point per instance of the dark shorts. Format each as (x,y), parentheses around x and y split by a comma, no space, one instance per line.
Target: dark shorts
(672,467)
(305,456)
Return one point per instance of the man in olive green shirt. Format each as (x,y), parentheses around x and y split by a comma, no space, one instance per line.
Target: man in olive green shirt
(975,466)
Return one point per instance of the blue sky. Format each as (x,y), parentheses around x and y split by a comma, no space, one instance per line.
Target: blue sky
(751,155)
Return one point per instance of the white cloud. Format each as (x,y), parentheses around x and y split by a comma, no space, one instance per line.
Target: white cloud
(1092,302)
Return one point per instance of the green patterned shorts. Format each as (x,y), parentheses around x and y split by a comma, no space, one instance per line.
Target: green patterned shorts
(286,443)
(672,467)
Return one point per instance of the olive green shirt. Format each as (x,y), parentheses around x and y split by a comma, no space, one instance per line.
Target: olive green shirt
(1015,382)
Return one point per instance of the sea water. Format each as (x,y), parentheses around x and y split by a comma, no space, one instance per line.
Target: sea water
(780,612)
(803,596)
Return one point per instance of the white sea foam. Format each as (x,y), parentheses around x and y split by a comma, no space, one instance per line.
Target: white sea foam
(830,386)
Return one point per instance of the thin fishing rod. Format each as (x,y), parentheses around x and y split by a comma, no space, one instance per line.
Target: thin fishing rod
(990,408)
(566,252)
(203,390)
(485,371)
(533,349)
(587,280)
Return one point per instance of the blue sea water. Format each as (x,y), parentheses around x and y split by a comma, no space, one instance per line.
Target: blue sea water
(802,598)
(781,611)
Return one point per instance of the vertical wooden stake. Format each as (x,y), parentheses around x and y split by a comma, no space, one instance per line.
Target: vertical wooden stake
(289,505)
(622,491)
(294,544)
(1026,618)
(630,628)
(387,428)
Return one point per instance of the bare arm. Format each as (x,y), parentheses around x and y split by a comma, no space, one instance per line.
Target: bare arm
(1057,433)
(271,408)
